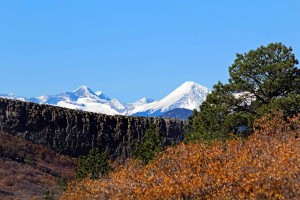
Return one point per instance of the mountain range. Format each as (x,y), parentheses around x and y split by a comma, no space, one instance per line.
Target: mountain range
(187,96)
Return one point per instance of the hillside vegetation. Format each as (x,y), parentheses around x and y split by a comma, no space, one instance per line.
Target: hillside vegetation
(29,170)
(266,165)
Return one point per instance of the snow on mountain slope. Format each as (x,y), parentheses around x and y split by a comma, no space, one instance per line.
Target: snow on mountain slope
(189,95)
(82,104)
(85,99)
(142,102)
(12,96)
(101,95)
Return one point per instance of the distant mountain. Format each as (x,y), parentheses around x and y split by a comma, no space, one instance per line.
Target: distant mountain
(84,98)
(12,96)
(178,113)
(189,96)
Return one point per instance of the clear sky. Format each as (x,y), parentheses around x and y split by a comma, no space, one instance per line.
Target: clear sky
(133,49)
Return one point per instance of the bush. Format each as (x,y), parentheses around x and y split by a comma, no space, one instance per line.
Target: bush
(94,165)
(150,144)
(48,195)
(206,137)
(62,182)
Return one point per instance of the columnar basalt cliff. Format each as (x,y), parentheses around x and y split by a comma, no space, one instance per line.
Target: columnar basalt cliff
(74,132)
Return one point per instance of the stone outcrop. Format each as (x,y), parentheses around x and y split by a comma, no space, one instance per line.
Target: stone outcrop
(74,132)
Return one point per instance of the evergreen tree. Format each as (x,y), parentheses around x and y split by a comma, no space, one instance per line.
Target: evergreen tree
(93,165)
(150,144)
(261,80)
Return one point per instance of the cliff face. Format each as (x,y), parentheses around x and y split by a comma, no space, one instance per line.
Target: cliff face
(74,132)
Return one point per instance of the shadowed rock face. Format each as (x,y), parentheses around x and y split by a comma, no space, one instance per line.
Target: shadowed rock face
(74,132)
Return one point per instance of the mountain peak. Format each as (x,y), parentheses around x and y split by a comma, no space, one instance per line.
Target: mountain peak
(190,85)
(83,88)
(189,95)
(83,91)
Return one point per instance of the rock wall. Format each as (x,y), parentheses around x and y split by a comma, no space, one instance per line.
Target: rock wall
(74,132)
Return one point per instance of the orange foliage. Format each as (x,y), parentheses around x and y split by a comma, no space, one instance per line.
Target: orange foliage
(264,166)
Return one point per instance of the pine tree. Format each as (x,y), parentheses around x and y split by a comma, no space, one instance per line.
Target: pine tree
(260,81)
(150,144)
(93,165)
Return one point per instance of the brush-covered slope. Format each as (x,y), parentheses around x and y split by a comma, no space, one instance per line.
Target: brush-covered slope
(28,170)
(264,166)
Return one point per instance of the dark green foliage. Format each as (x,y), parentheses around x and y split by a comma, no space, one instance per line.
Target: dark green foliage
(260,81)
(267,73)
(48,195)
(62,182)
(207,137)
(150,144)
(290,105)
(93,165)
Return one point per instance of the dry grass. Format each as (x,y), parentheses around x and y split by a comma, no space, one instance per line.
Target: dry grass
(28,170)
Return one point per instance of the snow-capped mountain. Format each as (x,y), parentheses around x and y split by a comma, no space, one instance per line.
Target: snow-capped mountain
(189,96)
(84,99)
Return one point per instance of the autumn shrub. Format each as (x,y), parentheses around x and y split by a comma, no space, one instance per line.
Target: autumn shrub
(266,165)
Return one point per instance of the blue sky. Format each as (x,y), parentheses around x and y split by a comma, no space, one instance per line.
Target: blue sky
(133,49)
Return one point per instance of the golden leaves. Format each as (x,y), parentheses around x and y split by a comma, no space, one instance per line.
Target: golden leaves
(265,166)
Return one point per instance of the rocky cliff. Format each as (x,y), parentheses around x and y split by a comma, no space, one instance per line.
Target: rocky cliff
(74,132)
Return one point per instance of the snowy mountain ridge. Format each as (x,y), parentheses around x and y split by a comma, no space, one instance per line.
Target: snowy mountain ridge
(189,96)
